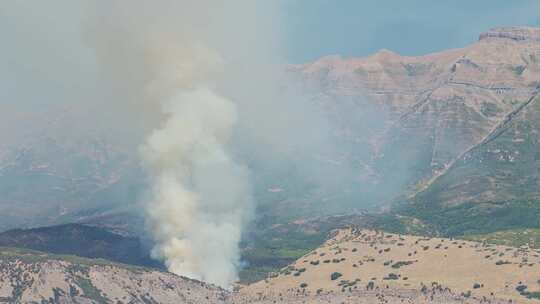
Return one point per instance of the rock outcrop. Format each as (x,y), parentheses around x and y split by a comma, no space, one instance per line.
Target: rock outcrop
(513,33)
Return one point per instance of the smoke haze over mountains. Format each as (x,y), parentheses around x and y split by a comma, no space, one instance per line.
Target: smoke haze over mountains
(193,87)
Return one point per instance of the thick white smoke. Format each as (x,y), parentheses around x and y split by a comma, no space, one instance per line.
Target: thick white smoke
(181,63)
(191,85)
(200,197)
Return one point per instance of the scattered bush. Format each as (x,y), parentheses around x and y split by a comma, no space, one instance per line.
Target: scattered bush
(400,264)
(336,275)
(521,288)
(531,295)
(391,276)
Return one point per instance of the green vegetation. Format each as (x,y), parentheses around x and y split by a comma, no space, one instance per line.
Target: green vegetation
(518,70)
(513,237)
(492,188)
(477,218)
(391,276)
(400,264)
(32,256)
(522,289)
(336,275)
(416,69)
(531,295)
(89,290)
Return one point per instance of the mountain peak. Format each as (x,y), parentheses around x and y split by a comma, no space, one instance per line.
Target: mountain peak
(516,33)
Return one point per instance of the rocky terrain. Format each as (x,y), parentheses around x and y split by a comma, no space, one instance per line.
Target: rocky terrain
(436,108)
(35,277)
(351,275)
(414,269)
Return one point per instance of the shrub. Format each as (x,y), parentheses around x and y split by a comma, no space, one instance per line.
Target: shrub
(370,285)
(401,264)
(531,295)
(521,288)
(391,276)
(336,275)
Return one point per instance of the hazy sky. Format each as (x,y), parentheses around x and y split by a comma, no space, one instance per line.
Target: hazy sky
(315,28)
(41,40)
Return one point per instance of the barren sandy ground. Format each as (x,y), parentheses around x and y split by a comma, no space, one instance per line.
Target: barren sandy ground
(404,265)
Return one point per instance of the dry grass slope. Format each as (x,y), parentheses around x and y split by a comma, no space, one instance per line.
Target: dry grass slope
(364,263)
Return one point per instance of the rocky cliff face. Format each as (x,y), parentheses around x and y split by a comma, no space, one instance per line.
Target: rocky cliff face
(433,109)
(513,33)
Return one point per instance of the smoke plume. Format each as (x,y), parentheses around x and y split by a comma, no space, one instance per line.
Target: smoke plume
(200,196)
(196,89)
(181,57)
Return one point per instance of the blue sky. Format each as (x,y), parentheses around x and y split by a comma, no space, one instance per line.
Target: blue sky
(314,28)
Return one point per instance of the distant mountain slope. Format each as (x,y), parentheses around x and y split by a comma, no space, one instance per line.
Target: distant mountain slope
(80,240)
(48,177)
(500,178)
(431,109)
(35,277)
(400,124)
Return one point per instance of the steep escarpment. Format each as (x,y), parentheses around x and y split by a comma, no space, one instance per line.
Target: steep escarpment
(431,110)
(513,33)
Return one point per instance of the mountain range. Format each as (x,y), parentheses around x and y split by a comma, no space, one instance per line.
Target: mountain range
(445,144)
